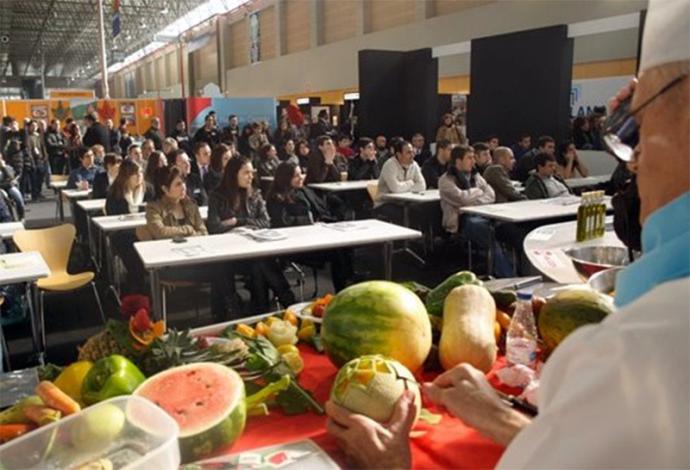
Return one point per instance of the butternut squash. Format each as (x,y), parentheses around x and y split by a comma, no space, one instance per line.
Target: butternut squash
(469,314)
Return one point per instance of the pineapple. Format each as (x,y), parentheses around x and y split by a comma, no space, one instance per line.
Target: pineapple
(98,346)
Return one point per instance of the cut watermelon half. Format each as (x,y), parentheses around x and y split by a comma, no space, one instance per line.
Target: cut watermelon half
(207,401)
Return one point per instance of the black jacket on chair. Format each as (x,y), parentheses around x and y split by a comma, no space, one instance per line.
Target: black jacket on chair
(100,185)
(195,189)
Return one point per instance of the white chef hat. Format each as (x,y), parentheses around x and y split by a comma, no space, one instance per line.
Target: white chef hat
(666,33)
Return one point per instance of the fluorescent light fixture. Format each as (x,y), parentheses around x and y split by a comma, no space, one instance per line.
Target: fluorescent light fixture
(195,17)
(351,96)
(302,100)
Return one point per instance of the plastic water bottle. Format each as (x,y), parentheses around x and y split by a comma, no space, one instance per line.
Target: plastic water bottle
(521,341)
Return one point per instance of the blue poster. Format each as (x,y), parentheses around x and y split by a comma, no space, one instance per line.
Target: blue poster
(246,109)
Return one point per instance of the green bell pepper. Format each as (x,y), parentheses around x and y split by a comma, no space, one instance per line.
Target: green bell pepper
(110,377)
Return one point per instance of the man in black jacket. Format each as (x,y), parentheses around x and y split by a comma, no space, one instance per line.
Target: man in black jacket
(96,133)
(55,144)
(433,168)
(364,166)
(154,133)
(526,164)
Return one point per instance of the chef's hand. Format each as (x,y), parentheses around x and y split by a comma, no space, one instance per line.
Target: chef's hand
(370,444)
(622,95)
(467,395)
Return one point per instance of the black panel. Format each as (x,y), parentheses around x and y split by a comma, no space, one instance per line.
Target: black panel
(380,93)
(521,82)
(174,109)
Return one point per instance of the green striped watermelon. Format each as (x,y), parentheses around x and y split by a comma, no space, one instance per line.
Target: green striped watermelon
(377,317)
(206,399)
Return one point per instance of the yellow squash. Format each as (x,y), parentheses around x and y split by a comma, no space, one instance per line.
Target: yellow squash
(469,314)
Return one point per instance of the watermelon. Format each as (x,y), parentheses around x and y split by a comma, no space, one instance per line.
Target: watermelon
(206,399)
(372,385)
(377,317)
(568,310)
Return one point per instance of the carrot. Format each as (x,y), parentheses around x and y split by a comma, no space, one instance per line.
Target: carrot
(10,431)
(56,398)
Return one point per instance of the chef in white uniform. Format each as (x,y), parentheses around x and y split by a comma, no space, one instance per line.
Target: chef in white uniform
(616,394)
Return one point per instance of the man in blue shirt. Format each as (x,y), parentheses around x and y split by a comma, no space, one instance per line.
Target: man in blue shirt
(82,177)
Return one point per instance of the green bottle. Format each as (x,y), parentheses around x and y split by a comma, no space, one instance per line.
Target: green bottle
(580,231)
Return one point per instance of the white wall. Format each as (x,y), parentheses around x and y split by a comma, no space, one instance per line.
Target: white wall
(334,66)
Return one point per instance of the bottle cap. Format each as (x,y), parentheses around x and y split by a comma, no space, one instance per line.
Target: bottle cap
(524,295)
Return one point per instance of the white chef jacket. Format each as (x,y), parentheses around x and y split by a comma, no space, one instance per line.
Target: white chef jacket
(616,394)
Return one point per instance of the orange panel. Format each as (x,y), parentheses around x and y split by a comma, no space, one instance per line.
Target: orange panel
(18,109)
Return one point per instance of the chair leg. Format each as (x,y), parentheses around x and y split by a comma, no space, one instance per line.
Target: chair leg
(5,351)
(469,254)
(315,273)
(164,304)
(41,322)
(98,301)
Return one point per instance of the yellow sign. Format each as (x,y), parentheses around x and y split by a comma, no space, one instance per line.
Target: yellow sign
(68,93)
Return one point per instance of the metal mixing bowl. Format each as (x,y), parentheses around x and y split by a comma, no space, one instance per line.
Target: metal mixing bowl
(589,260)
(605,281)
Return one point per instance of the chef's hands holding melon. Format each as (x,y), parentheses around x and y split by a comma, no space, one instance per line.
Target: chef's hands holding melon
(467,395)
(370,444)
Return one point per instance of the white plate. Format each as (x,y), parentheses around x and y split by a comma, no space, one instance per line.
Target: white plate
(302,310)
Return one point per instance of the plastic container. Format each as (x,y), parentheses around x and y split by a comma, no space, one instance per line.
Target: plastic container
(131,432)
(521,340)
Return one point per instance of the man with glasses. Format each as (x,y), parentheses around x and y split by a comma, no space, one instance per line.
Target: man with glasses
(612,395)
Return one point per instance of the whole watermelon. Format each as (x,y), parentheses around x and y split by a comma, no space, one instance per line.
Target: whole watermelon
(377,317)
(568,310)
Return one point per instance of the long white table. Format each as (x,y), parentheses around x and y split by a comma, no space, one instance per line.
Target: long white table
(526,211)
(342,186)
(577,183)
(7,229)
(27,267)
(545,248)
(166,254)
(71,195)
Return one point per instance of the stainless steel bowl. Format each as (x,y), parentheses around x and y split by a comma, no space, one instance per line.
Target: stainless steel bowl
(589,260)
(605,281)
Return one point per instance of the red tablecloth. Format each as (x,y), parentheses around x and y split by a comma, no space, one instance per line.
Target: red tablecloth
(449,444)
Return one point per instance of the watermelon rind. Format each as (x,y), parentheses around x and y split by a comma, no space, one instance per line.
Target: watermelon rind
(221,431)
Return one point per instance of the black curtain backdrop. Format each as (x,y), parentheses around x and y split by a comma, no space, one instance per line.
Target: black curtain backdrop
(174,109)
(520,82)
(398,93)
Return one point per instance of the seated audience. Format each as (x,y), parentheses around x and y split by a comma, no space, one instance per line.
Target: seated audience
(303,152)
(569,163)
(125,139)
(544,182)
(459,188)
(231,133)
(482,157)
(98,155)
(147,148)
(174,215)
(400,174)
(382,150)
(433,168)
(526,164)
(364,165)
(82,177)
(209,132)
(156,160)
(493,142)
(289,154)
(523,145)
(235,203)
(321,167)
(420,152)
(345,146)
(134,154)
(202,160)
(449,131)
(181,136)
(498,176)
(291,203)
(104,179)
(583,137)
(195,189)
(126,196)
(220,156)
(268,160)
(169,146)
(256,140)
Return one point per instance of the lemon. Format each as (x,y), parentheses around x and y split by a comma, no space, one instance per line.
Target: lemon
(306,332)
(288,348)
(295,361)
